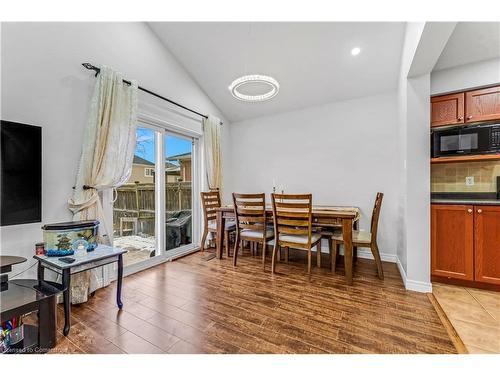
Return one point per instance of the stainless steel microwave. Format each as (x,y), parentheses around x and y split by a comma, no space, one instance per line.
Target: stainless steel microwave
(466,140)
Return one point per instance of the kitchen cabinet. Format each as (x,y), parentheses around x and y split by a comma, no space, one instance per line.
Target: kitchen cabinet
(447,109)
(465,242)
(466,107)
(452,241)
(487,244)
(482,105)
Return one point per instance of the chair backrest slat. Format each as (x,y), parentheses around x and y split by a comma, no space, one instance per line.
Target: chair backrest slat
(256,227)
(210,200)
(376,214)
(283,229)
(291,205)
(292,214)
(250,212)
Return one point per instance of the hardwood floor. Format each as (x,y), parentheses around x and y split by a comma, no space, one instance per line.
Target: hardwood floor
(197,306)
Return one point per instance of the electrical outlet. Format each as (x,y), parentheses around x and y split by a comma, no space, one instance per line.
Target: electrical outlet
(469,181)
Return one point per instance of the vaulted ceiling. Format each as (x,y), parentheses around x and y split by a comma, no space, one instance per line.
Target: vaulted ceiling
(470,42)
(311,61)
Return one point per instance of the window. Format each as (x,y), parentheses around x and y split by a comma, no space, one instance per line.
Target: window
(149,172)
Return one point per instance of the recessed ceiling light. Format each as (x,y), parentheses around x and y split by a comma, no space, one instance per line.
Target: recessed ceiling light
(254,78)
(355,51)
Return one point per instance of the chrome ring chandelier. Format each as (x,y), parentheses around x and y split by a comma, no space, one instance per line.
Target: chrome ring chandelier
(254,78)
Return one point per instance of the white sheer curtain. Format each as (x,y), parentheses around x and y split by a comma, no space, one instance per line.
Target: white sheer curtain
(106,160)
(212,147)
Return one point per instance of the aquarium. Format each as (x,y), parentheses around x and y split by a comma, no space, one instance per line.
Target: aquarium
(66,238)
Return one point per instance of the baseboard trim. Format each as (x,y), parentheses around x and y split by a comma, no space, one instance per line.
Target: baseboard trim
(365,254)
(414,285)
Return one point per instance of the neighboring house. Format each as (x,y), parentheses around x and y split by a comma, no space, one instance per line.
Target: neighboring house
(142,171)
(172,172)
(184,161)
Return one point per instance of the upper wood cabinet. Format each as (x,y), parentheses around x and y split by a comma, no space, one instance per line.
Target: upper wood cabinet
(447,109)
(452,241)
(466,107)
(482,105)
(487,244)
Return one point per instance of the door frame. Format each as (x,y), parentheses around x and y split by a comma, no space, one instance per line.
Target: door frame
(163,127)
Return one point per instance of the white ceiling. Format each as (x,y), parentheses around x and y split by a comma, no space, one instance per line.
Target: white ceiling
(311,61)
(470,42)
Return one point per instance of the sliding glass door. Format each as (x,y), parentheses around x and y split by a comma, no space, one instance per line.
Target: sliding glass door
(134,207)
(152,212)
(179,190)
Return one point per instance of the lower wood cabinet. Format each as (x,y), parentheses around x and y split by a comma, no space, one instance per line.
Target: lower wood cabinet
(465,242)
(452,241)
(487,244)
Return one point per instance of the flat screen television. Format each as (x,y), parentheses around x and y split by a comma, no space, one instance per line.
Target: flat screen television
(20,173)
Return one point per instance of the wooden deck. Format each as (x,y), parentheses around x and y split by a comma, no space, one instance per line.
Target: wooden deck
(197,306)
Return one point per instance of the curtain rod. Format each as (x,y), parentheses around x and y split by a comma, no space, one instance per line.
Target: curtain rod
(98,70)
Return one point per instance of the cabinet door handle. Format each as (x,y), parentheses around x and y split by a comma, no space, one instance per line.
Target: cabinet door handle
(469,117)
(460,118)
(469,210)
(479,211)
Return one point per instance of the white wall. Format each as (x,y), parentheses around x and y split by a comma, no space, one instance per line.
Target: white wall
(418,249)
(343,153)
(44,84)
(422,47)
(465,76)
(413,33)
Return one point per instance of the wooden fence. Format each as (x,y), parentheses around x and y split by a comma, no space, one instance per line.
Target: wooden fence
(136,204)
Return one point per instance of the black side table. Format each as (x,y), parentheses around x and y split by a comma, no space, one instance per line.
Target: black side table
(101,256)
(21,297)
(6,263)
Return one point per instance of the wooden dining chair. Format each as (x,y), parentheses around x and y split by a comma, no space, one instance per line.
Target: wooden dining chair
(292,216)
(251,222)
(210,200)
(364,239)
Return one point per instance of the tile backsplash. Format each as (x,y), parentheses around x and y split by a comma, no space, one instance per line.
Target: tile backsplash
(450,177)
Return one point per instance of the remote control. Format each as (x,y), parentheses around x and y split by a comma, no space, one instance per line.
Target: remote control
(67,260)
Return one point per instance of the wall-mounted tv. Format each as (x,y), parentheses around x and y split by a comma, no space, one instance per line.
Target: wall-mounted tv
(20,173)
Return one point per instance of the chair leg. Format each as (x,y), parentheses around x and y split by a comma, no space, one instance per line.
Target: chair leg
(309,261)
(318,254)
(273,260)
(330,250)
(335,249)
(203,239)
(264,248)
(378,261)
(235,251)
(287,251)
(226,242)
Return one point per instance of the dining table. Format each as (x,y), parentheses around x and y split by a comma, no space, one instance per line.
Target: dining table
(345,217)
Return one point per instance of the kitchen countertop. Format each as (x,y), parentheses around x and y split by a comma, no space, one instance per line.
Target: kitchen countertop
(493,202)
